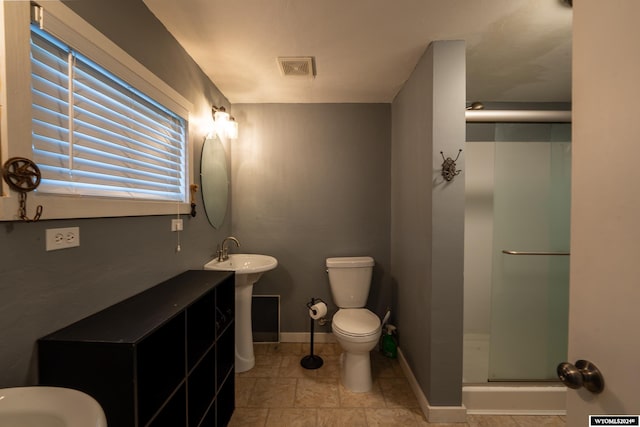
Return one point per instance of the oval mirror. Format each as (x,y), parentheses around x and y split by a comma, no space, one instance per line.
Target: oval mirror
(214,180)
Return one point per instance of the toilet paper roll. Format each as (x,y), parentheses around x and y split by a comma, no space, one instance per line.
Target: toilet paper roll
(318,310)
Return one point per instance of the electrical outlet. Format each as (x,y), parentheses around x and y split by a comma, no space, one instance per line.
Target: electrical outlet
(176,224)
(62,238)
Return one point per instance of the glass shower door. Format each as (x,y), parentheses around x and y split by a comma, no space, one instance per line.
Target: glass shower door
(529,311)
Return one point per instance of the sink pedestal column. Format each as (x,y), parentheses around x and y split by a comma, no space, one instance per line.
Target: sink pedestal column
(248,269)
(245,358)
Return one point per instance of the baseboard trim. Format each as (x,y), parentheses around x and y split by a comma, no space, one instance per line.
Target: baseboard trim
(306,337)
(433,414)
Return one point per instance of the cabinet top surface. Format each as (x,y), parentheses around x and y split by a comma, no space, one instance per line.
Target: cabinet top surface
(131,320)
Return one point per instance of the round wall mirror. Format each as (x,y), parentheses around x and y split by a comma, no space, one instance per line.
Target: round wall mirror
(214,179)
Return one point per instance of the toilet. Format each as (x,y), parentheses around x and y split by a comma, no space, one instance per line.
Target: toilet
(356,329)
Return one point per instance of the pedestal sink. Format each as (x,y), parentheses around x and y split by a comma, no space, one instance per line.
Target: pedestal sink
(41,406)
(248,269)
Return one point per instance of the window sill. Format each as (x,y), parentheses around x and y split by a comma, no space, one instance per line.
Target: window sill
(86,207)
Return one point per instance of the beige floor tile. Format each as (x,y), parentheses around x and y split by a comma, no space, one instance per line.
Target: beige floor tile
(289,348)
(332,417)
(260,372)
(279,392)
(491,421)
(397,393)
(398,369)
(400,417)
(539,421)
(291,368)
(261,348)
(370,399)
(421,421)
(292,417)
(286,348)
(273,393)
(270,360)
(383,367)
(322,349)
(330,367)
(244,388)
(317,393)
(267,365)
(245,417)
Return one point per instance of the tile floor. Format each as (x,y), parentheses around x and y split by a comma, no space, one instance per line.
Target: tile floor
(279,392)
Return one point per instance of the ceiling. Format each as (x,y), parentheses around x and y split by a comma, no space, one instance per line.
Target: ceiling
(364,50)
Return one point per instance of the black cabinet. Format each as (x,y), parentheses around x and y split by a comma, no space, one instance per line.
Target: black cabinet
(162,358)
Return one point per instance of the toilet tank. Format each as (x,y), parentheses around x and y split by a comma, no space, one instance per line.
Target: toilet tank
(350,280)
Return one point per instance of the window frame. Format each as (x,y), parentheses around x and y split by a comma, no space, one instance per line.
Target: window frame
(15,109)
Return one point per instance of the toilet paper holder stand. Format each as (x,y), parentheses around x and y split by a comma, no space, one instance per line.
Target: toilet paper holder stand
(312,361)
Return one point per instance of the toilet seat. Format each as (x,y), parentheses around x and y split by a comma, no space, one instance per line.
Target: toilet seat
(356,323)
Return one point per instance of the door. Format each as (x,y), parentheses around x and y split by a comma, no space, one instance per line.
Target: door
(530,284)
(604,307)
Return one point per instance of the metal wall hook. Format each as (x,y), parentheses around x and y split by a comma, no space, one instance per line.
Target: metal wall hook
(23,175)
(582,374)
(449,166)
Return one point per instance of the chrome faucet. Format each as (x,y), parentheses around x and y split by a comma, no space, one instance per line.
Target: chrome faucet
(223,251)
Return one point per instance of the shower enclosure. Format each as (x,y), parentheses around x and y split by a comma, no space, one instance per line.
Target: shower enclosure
(516,251)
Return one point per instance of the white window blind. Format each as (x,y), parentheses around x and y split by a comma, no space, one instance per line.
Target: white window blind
(95,135)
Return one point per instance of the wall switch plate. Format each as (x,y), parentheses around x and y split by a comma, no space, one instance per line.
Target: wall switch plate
(176,225)
(62,238)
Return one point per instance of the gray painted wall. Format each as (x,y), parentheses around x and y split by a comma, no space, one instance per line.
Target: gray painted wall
(427,231)
(308,182)
(118,257)
(312,181)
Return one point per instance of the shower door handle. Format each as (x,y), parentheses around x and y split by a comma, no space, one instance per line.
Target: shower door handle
(510,252)
(582,374)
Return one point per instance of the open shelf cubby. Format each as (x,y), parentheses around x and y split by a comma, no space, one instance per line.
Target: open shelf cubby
(162,358)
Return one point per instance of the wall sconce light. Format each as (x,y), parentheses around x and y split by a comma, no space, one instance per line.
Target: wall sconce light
(232,128)
(224,125)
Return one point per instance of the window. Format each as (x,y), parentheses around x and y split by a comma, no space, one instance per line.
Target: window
(95,135)
(109,136)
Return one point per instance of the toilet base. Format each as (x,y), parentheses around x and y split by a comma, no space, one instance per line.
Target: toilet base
(355,371)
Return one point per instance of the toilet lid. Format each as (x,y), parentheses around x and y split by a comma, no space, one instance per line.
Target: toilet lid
(356,322)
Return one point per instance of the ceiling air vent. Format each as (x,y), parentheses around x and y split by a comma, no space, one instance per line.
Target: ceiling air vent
(297,66)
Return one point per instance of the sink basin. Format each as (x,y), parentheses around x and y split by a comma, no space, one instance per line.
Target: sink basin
(243,263)
(49,407)
(248,268)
